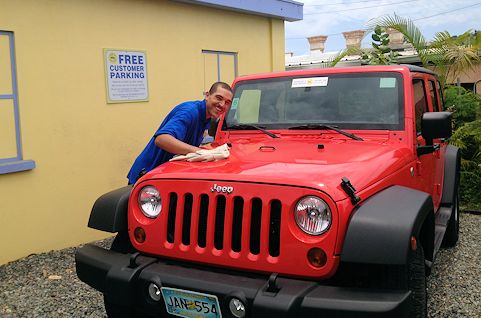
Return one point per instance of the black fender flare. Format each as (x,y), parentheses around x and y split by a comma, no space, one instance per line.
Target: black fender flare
(109,212)
(452,163)
(380,229)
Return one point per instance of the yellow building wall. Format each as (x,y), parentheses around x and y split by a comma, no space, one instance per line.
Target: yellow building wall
(82,146)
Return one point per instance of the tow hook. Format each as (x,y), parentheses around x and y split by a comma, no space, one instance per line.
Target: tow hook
(272,286)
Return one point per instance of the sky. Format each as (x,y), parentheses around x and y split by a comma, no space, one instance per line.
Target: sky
(333,17)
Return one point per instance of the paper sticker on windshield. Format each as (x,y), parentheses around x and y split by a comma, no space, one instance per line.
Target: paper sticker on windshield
(387,82)
(309,82)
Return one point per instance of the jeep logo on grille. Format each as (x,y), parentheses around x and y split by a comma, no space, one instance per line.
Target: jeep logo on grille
(221,189)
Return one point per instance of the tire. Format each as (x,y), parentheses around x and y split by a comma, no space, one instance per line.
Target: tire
(416,281)
(409,276)
(452,231)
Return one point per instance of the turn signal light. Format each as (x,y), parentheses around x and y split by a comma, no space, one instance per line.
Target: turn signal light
(139,235)
(317,257)
(414,243)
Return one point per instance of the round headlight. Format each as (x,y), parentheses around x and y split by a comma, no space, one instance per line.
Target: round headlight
(150,202)
(313,215)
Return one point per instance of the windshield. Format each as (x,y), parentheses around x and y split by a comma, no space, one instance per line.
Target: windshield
(348,101)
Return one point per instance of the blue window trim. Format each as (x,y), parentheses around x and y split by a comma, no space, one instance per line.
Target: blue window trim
(219,53)
(287,10)
(14,164)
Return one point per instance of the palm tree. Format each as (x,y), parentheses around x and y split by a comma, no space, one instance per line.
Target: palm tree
(458,53)
(449,55)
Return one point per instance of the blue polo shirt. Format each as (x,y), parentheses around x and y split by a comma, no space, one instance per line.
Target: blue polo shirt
(186,122)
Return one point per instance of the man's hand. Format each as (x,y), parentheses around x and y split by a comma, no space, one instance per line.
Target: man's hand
(184,157)
(205,155)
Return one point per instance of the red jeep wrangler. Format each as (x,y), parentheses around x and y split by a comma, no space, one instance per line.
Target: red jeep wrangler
(339,190)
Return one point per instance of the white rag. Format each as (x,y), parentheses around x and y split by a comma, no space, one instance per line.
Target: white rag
(205,155)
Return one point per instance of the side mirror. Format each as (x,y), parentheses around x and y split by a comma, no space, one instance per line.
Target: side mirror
(436,125)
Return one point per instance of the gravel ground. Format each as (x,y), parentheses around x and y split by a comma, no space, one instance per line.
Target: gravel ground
(45,285)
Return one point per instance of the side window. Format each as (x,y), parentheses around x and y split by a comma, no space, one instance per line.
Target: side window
(219,66)
(11,158)
(441,97)
(420,102)
(433,92)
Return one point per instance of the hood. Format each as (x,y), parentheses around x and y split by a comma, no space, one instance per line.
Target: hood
(318,164)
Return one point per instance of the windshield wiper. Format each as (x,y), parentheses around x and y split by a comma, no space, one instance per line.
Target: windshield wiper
(323,126)
(250,126)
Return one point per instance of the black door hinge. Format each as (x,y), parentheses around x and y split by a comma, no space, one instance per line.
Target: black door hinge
(350,190)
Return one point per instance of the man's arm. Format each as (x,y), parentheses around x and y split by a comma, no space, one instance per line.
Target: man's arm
(173,145)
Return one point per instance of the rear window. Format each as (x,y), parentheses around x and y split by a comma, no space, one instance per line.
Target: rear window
(352,101)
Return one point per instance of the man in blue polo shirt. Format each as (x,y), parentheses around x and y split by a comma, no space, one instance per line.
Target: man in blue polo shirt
(182,130)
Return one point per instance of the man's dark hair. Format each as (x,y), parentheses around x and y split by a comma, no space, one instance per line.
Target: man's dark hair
(214,87)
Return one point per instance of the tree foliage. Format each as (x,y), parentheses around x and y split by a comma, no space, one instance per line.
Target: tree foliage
(380,54)
(465,105)
(466,109)
(449,55)
(410,31)
(455,55)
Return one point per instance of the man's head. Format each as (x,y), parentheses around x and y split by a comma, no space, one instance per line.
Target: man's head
(217,99)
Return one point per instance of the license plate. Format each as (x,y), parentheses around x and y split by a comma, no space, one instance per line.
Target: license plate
(189,304)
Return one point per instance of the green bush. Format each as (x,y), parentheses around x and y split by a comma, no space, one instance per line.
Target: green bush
(468,139)
(470,187)
(464,104)
(466,108)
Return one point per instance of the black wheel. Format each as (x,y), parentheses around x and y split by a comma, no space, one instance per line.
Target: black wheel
(452,231)
(410,276)
(416,281)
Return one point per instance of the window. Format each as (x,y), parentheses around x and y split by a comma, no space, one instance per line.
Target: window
(420,102)
(468,86)
(440,92)
(219,66)
(11,159)
(434,96)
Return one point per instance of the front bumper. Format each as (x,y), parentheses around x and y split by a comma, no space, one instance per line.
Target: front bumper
(124,280)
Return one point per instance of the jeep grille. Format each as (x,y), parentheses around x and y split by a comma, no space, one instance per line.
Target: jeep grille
(231,234)
(251,228)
